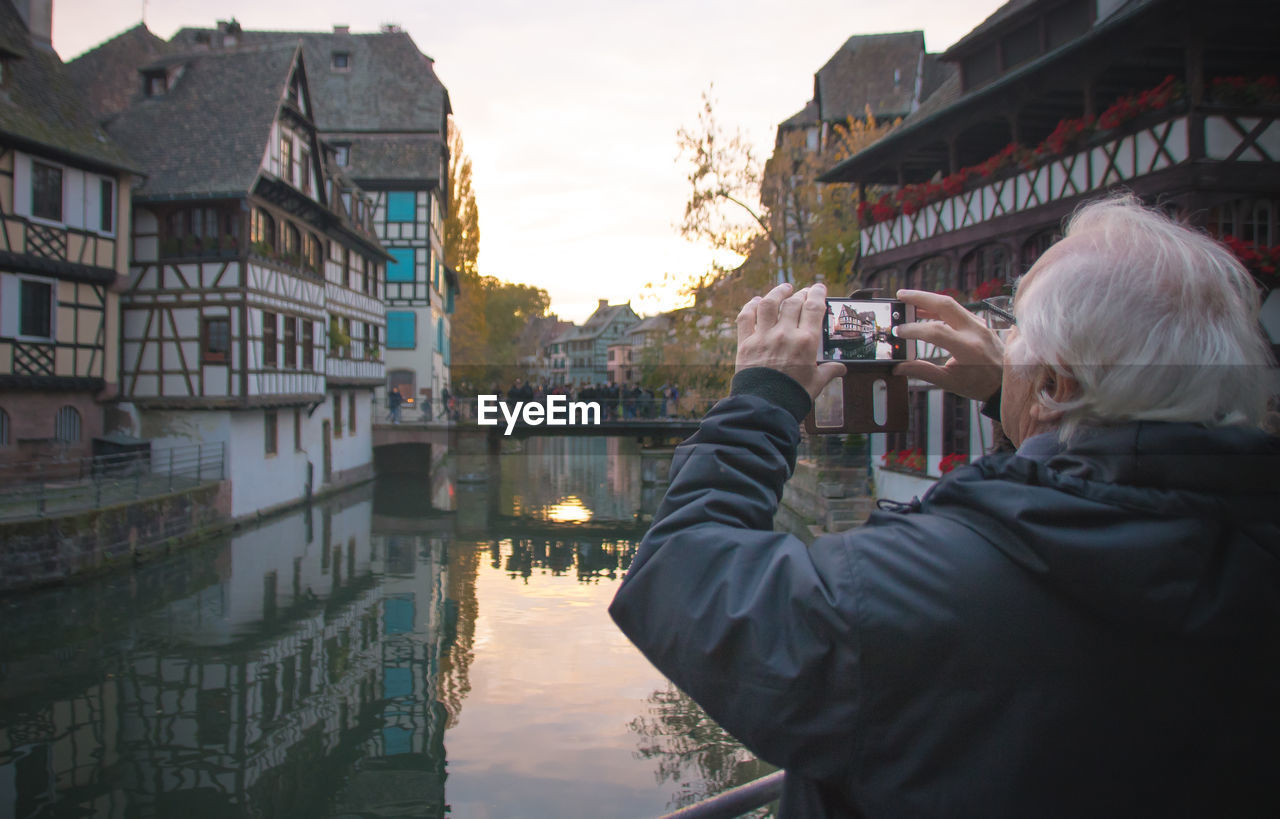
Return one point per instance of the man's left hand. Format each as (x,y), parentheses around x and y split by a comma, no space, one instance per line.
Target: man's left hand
(783,331)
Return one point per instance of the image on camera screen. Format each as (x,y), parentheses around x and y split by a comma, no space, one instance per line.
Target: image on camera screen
(860,331)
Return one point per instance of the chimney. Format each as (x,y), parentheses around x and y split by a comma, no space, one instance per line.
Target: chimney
(603,304)
(38,15)
(342,29)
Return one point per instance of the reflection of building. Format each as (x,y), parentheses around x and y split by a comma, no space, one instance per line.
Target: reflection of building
(293,666)
(1101,95)
(64,214)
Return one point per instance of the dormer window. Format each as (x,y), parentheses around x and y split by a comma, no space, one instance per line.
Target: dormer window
(342,154)
(155,83)
(897,76)
(341,61)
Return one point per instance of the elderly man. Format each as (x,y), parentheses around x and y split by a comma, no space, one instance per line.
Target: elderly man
(1087,627)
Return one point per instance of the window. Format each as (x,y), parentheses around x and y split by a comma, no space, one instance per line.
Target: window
(308,345)
(297,430)
(35,318)
(4,428)
(983,264)
(286,156)
(342,154)
(351,412)
(290,343)
(402,330)
(402,206)
(215,340)
(1035,247)
(292,243)
(106,205)
(933,273)
(154,83)
(46,191)
(66,426)
(346,267)
(341,61)
(314,261)
(369,281)
(337,415)
(400,269)
(269,339)
(262,231)
(955,424)
(269,432)
(304,170)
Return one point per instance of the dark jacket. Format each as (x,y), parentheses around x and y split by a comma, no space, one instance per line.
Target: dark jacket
(1096,633)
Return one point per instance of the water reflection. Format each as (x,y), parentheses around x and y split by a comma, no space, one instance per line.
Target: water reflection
(691,750)
(371,656)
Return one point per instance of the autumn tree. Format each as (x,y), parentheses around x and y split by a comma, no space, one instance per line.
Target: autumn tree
(817,223)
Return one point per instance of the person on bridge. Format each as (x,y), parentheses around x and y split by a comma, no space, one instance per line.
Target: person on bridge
(393,405)
(1088,626)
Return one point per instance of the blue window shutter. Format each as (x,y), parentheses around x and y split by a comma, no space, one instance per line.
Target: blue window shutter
(401,206)
(400,270)
(440,335)
(448,302)
(402,330)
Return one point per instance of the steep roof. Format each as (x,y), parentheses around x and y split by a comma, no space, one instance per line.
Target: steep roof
(207,134)
(389,85)
(604,316)
(107,76)
(652,324)
(862,73)
(805,117)
(1008,11)
(374,158)
(41,106)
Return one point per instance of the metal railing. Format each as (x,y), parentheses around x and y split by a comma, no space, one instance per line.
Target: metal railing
(735,801)
(42,489)
(639,410)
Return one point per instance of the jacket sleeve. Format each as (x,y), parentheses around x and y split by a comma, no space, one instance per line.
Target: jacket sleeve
(753,625)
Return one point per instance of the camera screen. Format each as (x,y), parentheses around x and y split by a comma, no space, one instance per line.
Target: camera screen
(859,330)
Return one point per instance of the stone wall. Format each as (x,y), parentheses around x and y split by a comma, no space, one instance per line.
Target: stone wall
(40,552)
(823,499)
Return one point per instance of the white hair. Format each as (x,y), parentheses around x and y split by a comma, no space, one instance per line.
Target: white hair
(1152,319)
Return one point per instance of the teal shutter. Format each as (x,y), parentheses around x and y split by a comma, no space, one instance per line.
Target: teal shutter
(402,330)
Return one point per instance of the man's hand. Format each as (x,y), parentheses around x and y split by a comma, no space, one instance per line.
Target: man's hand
(783,331)
(975,367)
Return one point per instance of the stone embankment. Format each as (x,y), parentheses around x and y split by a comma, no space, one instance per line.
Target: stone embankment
(821,499)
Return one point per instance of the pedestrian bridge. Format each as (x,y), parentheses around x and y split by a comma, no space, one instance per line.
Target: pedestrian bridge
(445,433)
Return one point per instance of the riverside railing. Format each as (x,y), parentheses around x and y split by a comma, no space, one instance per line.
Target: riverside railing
(736,801)
(41,489)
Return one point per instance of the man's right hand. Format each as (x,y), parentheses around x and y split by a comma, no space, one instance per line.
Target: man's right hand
(974,369)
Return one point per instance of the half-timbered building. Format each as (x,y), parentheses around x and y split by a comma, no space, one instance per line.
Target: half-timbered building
(253,312)
(379,102)
(64,208)
(1056,102)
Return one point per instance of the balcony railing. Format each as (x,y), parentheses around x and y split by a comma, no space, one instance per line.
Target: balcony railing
(1229,135)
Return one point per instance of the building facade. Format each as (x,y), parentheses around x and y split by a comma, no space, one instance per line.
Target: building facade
(1056,103)
(379,103)
(64,208)
(580,354)
(253,314)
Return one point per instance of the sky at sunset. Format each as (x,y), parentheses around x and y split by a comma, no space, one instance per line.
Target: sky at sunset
(569,109)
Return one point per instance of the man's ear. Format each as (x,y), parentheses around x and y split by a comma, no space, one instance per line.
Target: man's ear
(1052,386)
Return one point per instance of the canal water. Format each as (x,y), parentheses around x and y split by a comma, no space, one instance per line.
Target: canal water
(409,649)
